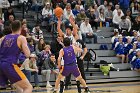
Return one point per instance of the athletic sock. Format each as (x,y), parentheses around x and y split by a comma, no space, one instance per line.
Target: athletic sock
(61,86)
(78,86)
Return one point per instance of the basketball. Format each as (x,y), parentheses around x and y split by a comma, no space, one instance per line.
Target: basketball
(58,12)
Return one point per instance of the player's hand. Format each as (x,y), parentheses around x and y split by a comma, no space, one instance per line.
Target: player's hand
(82,57)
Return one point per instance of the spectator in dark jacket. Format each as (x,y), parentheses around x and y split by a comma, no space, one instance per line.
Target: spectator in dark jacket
(8,13)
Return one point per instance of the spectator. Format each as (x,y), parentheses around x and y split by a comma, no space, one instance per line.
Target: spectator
(37,33)
(135,35)
(129,15)
(125,26)
(124,4)
(67,14)
(63,4)
(136,24)
(120,49)
(81,17)
(109,15)
(115,39)
(31,45)
(24,30)
(29,68)
(132,52)
(76,10)
(87,31)
(96,12)
(8,13)
(138,41)
(115,12)
(47,12)
(135,8)
(57,45)
(92,19)
(8,22)
(136,61)
(104,7)
(102,16)
(3,4)
(80,4)
(40,46)
(48,67)
(117,19)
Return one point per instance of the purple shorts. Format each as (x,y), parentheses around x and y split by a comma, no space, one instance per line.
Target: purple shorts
(71,70)
(10,72)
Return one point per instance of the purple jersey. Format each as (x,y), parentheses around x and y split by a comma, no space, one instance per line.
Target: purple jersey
(69,56)
(9,50)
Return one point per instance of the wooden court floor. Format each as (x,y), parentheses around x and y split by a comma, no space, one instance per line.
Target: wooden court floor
(127,87)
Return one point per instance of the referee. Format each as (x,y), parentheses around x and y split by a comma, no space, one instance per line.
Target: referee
(80,56)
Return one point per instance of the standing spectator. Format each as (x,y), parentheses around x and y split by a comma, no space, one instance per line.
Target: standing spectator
(40,46)
(125,26)
(37,33)
(117,18)
(49,66)
(8,13)
(57,45)
(29,67)
(124,5)
(87,31)
(109,15)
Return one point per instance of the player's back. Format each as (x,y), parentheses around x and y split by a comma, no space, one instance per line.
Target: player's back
(69,56)
(9,50)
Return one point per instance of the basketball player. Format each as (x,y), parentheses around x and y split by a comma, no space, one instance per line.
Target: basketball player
(10,47)
(70,66)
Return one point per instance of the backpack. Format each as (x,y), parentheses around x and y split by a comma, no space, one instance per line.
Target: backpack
(103,47)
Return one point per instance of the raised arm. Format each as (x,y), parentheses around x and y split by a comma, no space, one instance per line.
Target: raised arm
(59,27)
(75,28)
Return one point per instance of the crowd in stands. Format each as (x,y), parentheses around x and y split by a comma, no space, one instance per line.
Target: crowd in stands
(80,17)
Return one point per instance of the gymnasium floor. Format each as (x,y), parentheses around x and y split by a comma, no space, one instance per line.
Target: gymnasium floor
(130,87)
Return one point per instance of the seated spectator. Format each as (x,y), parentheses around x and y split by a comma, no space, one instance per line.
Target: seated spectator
(136,61)
(136,24)
(132,52)
(48,67)
(92,19)
(115,12)
(134,37)
(47,12)
(87,31)
(117,18)
(129,16)
(79,2)
(31,45)
(115,39)
(120,49)
(36,6)
(135,8)
(40,46)
(63,4)
(102,17)
(29,68)
(125,26)
(109,15)
(3,5)
(9,21)
(8,13)
(81,17)
(37,33)
(104,6)
(24,30)
(138,41)
(76,10)
(67,13)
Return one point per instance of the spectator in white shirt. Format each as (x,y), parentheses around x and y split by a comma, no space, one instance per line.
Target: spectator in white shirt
(47,12)
(117,7)
(87,31)
(37,33)
(117,18)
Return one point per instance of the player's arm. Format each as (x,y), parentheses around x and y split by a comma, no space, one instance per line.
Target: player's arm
(61,53)
(59,27)
(1,39)
(23,45)
(77,49)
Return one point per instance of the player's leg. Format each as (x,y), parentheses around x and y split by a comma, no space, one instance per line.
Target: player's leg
(24,85)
